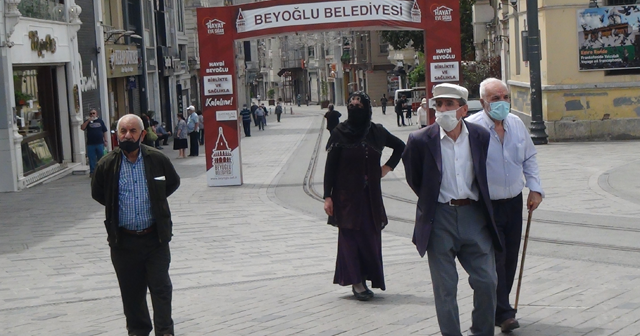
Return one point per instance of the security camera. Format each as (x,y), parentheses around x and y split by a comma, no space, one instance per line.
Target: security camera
(513,2)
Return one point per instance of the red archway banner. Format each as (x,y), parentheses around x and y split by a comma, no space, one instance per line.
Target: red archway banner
(219,27)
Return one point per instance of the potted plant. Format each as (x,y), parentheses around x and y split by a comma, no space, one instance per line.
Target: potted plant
(271,93)
(22,98)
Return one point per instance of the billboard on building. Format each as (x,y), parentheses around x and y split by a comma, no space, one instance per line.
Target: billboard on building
(609,38)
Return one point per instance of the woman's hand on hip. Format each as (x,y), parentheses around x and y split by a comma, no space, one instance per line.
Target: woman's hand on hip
(328,206)
(385,170)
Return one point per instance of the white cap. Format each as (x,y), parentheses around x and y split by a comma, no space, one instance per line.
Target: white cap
(448,90)
(424,101)
(191,108)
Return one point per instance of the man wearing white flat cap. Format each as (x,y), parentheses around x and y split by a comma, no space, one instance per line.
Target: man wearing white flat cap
(194,131)
(445,165)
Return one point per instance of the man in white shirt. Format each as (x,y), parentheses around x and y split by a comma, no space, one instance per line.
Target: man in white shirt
(194,130)
(445,165)
(511,156)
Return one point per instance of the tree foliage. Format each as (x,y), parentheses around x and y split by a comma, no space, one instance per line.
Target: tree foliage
(474,72)
(399,39)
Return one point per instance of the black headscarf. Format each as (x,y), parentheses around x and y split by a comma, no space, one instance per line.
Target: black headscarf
(358,124)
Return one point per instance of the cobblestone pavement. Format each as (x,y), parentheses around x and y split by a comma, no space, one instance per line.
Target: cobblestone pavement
(258,259)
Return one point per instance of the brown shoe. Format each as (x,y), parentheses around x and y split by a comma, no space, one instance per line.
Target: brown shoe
(509,325)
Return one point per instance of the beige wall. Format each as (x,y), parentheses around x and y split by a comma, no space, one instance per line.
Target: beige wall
(376,85)
(576,104)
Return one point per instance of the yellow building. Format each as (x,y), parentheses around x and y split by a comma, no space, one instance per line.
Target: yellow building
(590,67)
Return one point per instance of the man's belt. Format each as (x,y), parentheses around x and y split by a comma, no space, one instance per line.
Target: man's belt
(460,202)
(139,232)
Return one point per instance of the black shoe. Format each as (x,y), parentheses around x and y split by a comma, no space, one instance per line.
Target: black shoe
(509,325)
(159,147)
(366,289)
(364,296)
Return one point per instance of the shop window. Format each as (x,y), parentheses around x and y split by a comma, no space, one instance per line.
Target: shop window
(37,117)
(43,9)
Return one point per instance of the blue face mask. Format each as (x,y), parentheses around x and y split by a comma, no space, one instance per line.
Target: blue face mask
(499,110)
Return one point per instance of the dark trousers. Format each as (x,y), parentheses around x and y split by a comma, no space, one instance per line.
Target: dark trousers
(255,118)
(261,122)
(384,109)
(201,137)
(193,143)
(142,262)
(246,124)
(400,116)
(508,217)
(163,137)
(278,116)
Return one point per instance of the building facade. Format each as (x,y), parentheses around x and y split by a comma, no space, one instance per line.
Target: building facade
(590,67)
(42,99)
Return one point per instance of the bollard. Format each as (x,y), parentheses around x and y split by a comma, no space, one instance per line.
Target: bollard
(291,109)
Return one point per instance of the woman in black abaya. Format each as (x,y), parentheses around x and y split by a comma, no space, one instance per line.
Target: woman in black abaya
(353,197)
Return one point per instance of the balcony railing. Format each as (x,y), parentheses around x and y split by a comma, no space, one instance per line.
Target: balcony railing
(43,9)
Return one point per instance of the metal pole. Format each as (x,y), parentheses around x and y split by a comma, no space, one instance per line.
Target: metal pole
(538,133)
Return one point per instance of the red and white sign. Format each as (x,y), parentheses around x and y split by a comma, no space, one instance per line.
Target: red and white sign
(217,33)
(326,12)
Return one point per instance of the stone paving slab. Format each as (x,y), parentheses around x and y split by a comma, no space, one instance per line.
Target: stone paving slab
(244,264)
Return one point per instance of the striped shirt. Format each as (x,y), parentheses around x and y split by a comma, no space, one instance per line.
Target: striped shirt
(134,205)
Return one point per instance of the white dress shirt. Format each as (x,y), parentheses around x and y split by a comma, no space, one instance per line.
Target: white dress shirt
(457,168)
(509,161)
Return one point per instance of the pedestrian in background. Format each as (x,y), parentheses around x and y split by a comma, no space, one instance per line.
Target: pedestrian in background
(162,135)
(266,113)
(201,127)
(353,195)
(97,138)
(408,112)
(333,118)
(246,120)
(445,165)
(422,114)
(400,105)
(383,103)
(180,137)
(254,107)
(278,111)
(133,183)
(511,156)
(192,127)
(260,118)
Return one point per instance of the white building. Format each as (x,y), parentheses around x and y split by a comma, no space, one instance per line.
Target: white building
(41,102)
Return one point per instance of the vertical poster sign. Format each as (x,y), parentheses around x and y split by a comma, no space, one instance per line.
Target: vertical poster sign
(442,43)
(216,33)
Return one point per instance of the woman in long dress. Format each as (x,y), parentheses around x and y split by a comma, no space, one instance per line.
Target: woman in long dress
(353,196)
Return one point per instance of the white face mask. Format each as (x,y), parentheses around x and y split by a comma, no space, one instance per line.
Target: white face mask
(448,119)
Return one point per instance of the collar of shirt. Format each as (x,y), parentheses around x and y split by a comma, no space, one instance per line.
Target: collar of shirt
(463,132)
(125,159)
(491,125)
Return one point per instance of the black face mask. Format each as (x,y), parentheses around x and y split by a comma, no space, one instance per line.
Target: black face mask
(358,116)
(129,146)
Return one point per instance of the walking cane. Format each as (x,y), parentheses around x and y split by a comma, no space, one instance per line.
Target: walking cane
(524,253)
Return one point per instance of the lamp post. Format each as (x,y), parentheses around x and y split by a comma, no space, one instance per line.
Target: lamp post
(538,129)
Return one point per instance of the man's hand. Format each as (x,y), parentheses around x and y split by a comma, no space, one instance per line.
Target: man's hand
(328,206)
(385,170)
(533,200)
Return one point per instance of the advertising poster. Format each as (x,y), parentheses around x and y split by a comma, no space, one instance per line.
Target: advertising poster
(217,70)
(609,37)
